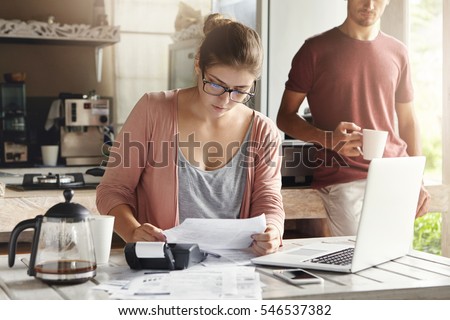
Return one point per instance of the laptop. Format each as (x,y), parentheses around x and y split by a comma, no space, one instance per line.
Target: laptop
(386,226)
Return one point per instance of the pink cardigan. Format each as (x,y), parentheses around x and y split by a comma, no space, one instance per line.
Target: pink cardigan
(142,169)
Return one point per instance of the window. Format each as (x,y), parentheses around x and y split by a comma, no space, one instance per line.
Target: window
(425,44)
(141,56)
(429,46)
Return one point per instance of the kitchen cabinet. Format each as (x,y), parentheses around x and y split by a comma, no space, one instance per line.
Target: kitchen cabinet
(37,32)
(13,131)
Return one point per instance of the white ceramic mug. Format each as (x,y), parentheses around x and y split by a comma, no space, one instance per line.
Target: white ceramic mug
(102,228)
(374,143)
(50,155)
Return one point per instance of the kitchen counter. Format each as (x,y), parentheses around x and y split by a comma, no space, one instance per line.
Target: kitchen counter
(16,206)
(15,176)
(20,205)
(299,203)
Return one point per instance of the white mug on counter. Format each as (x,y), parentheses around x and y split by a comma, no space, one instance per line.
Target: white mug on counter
(50,155)
(102,228)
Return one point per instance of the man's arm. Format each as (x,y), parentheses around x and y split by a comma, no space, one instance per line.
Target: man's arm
(290,122)
(408,127)
(409,131)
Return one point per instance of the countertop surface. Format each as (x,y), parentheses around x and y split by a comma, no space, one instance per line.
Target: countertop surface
(20,205)
(14,176)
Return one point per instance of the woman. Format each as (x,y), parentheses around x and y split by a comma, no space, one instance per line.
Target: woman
(199,152)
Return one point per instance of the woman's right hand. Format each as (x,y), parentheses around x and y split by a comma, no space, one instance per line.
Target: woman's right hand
(130,230)
(148,232)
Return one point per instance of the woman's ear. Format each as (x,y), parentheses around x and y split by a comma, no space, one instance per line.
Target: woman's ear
(197,69)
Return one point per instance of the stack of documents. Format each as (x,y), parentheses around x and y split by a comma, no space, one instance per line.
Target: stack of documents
(198,283)
(223,275)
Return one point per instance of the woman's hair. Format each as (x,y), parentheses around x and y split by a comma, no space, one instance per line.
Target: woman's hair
(230,43)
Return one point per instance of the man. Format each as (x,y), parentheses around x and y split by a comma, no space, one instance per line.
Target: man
(354,77)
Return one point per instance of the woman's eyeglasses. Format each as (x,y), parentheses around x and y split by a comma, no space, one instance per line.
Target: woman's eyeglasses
(215,89)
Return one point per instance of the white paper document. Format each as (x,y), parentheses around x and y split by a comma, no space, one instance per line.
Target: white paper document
(211,234)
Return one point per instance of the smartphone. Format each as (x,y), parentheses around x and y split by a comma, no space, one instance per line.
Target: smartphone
(297,276)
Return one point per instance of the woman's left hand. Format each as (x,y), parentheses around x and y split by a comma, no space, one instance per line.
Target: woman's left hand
(267,242)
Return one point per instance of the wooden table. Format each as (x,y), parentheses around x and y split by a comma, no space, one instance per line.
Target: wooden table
(416,276)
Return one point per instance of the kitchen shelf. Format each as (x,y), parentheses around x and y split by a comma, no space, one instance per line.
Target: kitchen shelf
(42,33)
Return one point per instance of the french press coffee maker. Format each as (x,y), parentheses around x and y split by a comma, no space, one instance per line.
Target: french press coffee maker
(62,250)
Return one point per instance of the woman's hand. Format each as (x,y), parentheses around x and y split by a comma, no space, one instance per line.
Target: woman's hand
(147,232)
(267,242)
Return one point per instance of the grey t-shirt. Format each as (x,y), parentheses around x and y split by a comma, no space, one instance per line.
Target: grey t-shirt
(212,194)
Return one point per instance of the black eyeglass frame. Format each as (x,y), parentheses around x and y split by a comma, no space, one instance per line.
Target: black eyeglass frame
(249,95)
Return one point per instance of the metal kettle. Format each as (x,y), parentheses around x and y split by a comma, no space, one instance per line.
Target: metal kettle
(63,249)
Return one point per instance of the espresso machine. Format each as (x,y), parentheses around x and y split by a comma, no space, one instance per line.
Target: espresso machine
(82,134)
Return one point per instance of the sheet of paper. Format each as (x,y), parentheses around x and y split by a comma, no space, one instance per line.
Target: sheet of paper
(211,234)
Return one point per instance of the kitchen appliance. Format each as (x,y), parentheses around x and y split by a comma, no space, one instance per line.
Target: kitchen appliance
(13,130)
(50,181)
(82,134)
(62,249)
(299,161)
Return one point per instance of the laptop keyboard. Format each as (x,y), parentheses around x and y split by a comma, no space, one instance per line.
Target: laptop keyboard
(342,257)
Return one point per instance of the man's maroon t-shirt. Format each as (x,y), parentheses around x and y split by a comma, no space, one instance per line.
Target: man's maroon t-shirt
(355,81)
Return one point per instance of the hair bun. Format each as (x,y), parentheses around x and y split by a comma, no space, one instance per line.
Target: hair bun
(231,44)
(213,21)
